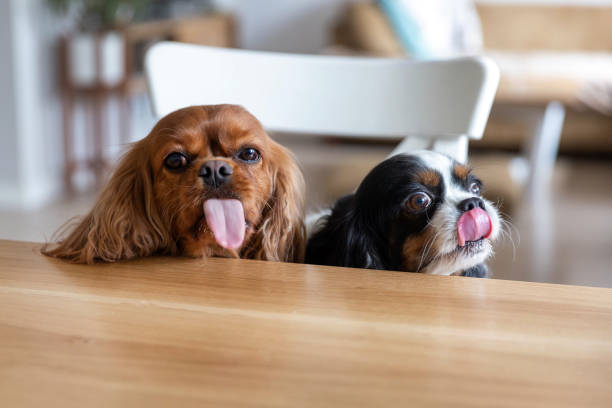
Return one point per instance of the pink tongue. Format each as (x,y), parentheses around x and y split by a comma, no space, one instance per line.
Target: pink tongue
(226,220)
(473,225)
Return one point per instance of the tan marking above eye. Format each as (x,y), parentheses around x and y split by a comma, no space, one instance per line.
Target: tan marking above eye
(461,171)
(429,178)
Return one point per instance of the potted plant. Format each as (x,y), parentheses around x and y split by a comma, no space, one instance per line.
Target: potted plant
(95,53)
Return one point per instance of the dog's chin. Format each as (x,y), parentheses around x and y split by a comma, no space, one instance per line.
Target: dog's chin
(202,243)
(460,258)
(473,248)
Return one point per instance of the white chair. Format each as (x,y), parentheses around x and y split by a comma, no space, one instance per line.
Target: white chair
(431,104)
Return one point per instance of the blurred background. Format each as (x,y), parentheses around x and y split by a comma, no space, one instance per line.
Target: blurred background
(73,96)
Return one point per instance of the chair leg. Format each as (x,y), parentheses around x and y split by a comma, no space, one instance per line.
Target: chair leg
(410,144)
(543,150)
(456,148)
(542,154)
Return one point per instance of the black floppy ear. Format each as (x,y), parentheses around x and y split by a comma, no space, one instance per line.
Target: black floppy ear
(343,240)
(360,250)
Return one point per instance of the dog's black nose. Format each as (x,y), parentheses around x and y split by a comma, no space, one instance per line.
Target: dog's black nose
(215,173)
(470,204)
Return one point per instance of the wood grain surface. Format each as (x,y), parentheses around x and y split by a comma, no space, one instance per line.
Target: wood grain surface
(169,332)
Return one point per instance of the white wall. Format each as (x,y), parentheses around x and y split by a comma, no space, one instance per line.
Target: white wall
(8,170)
(31,129)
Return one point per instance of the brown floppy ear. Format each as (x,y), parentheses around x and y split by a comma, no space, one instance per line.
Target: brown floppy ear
(281,234)
(124,223)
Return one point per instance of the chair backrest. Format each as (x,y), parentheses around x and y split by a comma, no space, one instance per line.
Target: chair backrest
(329,95)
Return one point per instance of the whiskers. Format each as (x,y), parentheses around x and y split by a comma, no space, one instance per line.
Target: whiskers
(428,245)
(507,231)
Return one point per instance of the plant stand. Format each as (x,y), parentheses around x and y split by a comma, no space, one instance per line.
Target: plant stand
(94,68)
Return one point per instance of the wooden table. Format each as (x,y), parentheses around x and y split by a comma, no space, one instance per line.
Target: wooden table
(220,332)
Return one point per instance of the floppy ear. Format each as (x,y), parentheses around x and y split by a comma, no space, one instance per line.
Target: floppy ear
(360,250)
(124,222)
(343,240)
(281,233)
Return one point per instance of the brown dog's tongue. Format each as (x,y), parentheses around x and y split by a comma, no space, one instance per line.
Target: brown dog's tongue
(226,220)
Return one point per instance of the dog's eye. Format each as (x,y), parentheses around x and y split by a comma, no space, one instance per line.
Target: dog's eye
(175,161)
(418,201)
(249,155)
(475,188)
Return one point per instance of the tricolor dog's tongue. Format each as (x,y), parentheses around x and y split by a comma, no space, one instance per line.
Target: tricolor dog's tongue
(473,225)
(226,220)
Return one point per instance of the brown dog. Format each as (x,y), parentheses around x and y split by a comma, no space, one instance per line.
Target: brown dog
(207,181)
